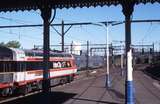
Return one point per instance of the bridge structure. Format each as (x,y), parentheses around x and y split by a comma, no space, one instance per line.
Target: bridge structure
(46,6)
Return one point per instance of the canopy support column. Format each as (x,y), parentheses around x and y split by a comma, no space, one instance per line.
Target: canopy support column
(46,15)
(128,7)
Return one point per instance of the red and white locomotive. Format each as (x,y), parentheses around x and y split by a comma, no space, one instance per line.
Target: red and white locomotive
(22,70)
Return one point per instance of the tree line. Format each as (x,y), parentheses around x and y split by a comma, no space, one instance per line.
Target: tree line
(11,44)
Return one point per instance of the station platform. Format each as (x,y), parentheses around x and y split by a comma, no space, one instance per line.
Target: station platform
(92,90)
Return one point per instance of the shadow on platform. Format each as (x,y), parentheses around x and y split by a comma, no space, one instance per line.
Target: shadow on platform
(41,98)
(116,94)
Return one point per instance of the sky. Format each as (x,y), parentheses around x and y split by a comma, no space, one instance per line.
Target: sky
(142,33)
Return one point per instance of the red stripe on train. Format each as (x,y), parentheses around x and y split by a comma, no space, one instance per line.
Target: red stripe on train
(51,70)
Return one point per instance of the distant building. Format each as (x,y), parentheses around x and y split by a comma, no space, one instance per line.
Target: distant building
(75,48)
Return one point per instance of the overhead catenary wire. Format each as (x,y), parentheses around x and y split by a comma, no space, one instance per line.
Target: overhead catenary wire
(82,23)
(76,24)
(13,33)
(23,22)
(19,21)
(148,32)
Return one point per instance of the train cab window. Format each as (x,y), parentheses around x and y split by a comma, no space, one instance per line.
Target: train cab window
(68,64)
(57,64)
(61,64)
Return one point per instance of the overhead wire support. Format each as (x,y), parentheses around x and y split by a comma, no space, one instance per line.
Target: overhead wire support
(56,30)
(65,24)
(68,29)
(59,32)
(62,34)
(82,23)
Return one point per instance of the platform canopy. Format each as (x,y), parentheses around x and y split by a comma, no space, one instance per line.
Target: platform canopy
(16,5)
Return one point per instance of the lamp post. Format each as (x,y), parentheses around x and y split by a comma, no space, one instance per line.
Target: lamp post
(106,27)
(122,61)
(108,83)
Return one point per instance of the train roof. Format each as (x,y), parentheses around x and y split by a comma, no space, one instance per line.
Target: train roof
(32,52)
(20,54)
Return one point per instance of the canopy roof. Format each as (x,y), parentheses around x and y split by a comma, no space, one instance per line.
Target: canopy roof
(15,5)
